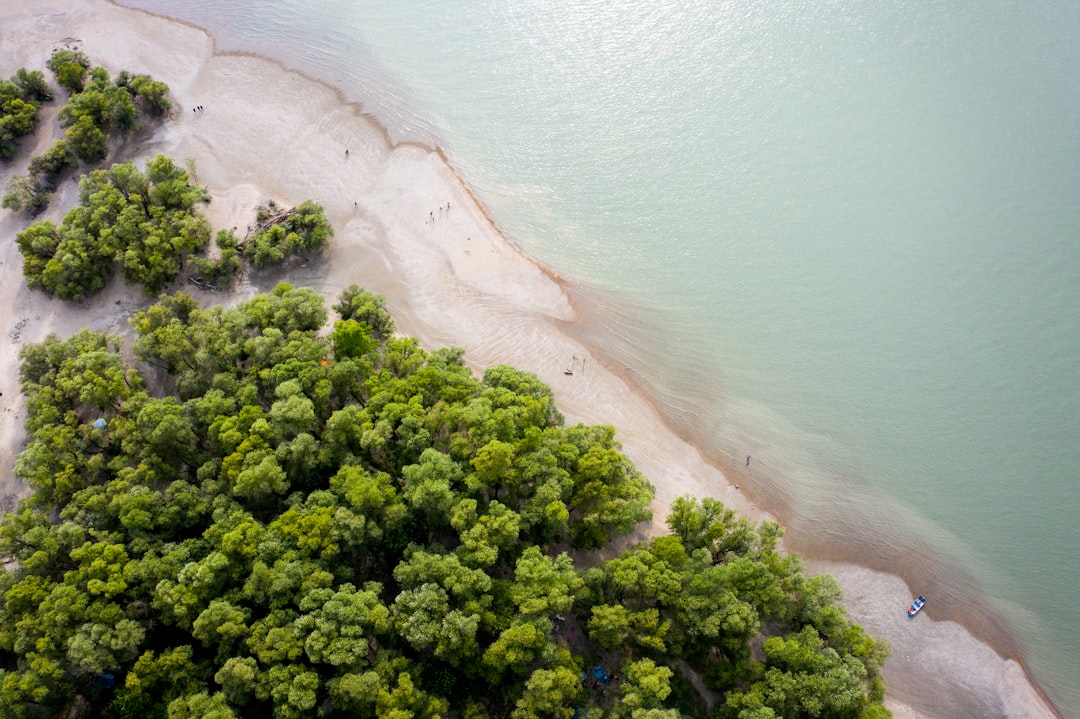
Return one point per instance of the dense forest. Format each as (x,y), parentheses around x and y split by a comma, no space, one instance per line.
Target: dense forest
(98,107)
(147,223)
(20,100)
(244,515)
(248,514)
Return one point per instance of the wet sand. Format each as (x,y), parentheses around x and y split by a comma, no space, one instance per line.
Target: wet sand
(407,226)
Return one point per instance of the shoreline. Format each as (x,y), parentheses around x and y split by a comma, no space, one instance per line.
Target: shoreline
(444,282)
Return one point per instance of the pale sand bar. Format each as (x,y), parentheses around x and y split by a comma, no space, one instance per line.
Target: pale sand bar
(267,132)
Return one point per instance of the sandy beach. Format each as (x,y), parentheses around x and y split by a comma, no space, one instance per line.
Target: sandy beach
(407,226)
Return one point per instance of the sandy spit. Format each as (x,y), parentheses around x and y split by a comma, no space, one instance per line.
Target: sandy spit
(408,226)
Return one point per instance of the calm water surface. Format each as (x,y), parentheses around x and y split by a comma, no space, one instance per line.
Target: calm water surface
(840,237)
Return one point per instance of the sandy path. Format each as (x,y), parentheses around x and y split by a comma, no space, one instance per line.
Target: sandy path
(448,275)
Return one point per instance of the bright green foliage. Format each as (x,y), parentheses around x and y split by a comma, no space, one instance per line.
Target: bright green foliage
(103,107)
(609,497)
(550,693)
(55,159)
(352,339)
(143,221)
(151,95)
(86,140)
(646,686)
(544,586)
(804,677)
(96,109)
(71,67)
(20,98)
(305,527)
(221,272)
(295,231)
(356,303)
(111,105)
(201,705)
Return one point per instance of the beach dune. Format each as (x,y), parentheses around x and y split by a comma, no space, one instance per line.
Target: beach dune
(407,226)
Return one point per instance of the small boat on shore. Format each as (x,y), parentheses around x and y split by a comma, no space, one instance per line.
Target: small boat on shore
(916,606)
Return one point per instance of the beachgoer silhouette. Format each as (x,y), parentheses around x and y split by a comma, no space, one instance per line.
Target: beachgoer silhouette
(346,152)
(747,460)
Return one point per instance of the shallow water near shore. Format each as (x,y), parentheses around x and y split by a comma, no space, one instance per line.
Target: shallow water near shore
(841,241)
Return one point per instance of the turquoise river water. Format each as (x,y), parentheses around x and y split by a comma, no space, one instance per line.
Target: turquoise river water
(840,237)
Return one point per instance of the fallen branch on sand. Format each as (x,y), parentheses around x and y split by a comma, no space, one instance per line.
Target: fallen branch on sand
(263,224)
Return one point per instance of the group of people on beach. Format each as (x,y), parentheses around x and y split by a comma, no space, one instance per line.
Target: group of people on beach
(197,109)
(431,215)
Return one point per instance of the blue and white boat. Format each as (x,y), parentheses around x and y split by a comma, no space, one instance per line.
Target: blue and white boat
(916,606)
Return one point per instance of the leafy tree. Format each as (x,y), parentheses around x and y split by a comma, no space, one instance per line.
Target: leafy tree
(86,140)
(32,84)
(407,700)
(70,67)
(549,693)
(26,194)
(151,94)
(298,230)
(609,496)
(646,685)
(143,221)
(544,586)
(806,678)
(517,647)
(352,339)
(220,273)
(201,705)
(19,101)
(297,531)
(338,623)
(55,159)
(366,308)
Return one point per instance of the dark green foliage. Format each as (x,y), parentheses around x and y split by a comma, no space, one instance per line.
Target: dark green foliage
(219,273)
(351,526)
(55,159)
(97,108)
(86,139)
(27,194)
(150,94)
(356,303)
(281,234)
(143,222)
(70,67)
(33,85)
(20,98)
(91,114)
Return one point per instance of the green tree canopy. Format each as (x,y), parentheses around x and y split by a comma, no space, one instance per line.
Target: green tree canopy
(143,221)
(291,530)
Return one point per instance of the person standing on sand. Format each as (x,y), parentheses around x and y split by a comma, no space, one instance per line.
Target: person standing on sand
(747,460)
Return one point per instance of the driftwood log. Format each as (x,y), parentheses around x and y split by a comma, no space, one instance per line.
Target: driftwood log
(200,284)
(272,220)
